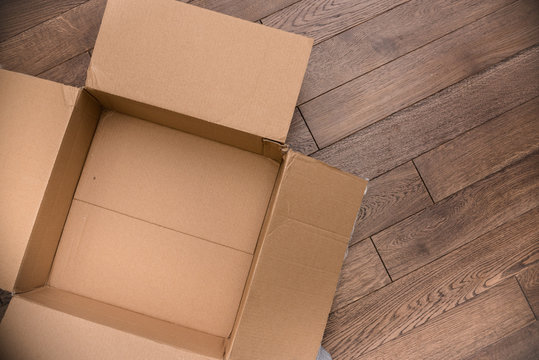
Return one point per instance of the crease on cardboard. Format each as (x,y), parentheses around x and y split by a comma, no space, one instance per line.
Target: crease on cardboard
(288,219)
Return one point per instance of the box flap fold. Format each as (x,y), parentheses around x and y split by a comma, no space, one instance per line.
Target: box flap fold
(200,63)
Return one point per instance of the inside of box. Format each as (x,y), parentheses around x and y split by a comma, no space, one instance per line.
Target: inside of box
(164,223)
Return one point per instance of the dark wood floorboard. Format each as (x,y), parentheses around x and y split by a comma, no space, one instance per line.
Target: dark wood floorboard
(244,9)
(390,198)
(46,45)
(382,39)
(480,322)
(17,16)
(460,218)
(362,273)
(446,87)
(434,289)
(529,282)
(299,137)
(71,72)
(523,344)
(321,19)
(401,83)
(437,119)
(481,151)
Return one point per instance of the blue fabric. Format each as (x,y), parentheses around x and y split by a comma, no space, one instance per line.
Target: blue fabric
(323,354)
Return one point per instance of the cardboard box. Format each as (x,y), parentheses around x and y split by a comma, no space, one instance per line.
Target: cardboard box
(156,213)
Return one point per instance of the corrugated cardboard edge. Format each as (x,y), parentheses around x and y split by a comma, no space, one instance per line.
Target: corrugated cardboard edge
(41,247)
(356,189)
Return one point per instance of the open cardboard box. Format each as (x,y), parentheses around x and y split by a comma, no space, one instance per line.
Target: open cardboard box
(156,213)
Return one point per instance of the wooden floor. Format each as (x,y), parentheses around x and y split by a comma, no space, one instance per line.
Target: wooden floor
(436,102)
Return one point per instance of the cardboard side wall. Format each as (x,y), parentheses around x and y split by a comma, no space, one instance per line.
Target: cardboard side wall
(50,324)
(53,211)
(185,123)
(297,262)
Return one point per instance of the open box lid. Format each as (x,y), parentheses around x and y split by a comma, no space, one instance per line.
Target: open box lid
(34,115)
(200,63)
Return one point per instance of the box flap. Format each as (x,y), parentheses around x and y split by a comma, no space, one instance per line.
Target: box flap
(297,262)
(50,324)
(34,115)
(200,63)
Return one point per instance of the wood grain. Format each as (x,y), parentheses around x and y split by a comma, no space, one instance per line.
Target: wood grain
(529,281)
(422,72)
(17,16)
(460,218)
(437,119)
(362,273)
(299,137)
(520,345)
(245,9)
(55,41)
(463,330)
(321,19)
(390,198)
(434,289)
(386,37)
(71,72)
(481,151)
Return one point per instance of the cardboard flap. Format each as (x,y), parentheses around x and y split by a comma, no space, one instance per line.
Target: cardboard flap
(50,324)
(34,116)
(297,262)
(200,63)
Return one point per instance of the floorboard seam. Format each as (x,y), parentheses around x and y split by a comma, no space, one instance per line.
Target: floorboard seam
(63,62)
(409,52)
(308,128)
(381,260)
(525,297)
(423,181)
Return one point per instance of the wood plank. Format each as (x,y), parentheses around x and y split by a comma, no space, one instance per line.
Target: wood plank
(529,281)
(434,289)
(437,119)
(322,19)
(386,37)
(245,9)
(362,273)
(18,16)
(71,72)
(390,198)
(463,330)
(520,345)
(55,41)
(460,218)
(481,151)
(299,137)
(422,72)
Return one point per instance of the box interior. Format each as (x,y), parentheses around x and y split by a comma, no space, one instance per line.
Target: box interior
(156,213)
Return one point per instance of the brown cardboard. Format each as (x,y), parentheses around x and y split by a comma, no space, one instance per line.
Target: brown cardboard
(201,64)
(49,324)
(227,190)
(192,232)
(297,262)
(149,269)
(36,135)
